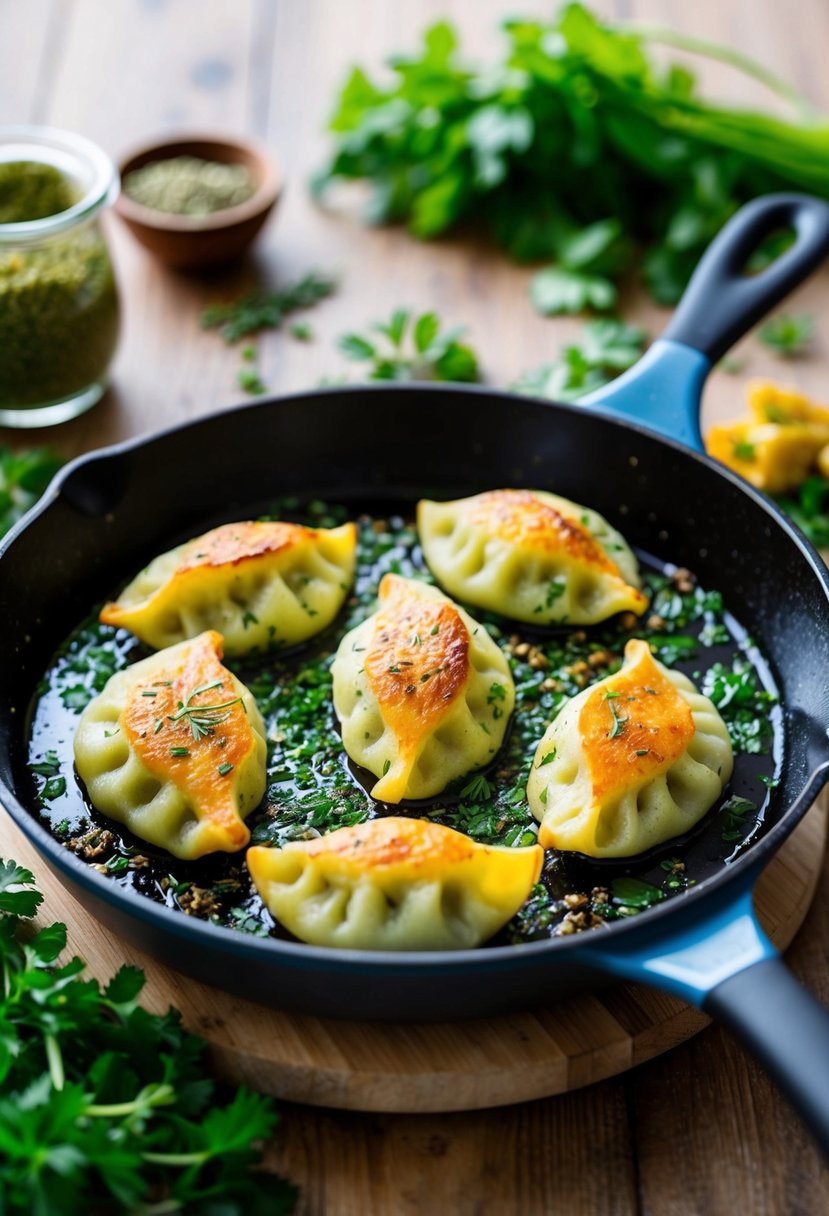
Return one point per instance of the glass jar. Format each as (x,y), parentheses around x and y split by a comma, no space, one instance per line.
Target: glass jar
(58,300)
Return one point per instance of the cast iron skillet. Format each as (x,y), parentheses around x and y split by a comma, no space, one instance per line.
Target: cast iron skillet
(108,513)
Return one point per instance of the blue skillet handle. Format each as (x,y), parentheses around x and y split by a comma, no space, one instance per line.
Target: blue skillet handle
(724,963)
(664,389)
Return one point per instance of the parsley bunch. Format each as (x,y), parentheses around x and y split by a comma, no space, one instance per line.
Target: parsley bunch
(105,1107)
(575,147)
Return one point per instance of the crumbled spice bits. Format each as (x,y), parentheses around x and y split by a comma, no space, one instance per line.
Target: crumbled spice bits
(199,901)
(97,842)
(189,185)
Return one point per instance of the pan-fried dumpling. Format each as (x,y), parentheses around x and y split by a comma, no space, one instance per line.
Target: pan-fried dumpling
(260,584)
(394,884)
(531,556)
(630,762)
(174,747)
(423,693)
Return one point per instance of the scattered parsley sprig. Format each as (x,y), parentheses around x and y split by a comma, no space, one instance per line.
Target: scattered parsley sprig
(267,310)
(23,478)
(788,335)
(105,1107)
(810,510)
(203,719)
(605,348)
(410,347)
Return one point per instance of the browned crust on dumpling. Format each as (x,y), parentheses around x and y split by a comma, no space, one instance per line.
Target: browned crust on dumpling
(159,742)
(635,725)
(418,660)
(231,544)
(518,517)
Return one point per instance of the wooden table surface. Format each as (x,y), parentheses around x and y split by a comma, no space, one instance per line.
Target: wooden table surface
(701,1130)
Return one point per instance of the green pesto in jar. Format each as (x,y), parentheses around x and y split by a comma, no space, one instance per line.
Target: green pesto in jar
(58,302)
(30,190)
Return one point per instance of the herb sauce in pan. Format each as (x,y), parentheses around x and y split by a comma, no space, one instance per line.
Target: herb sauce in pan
(313,788)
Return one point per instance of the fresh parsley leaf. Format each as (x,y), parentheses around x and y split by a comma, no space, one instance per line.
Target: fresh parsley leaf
(788,335)
(412,347)
(810,510)
(558,290)
(605,347)
(23,478)
(13,901)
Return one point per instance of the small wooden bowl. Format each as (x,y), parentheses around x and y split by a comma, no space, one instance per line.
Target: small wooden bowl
(194,242)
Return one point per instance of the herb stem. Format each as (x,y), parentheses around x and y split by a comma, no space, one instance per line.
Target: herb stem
(722,54)
(55,1058)
(182,1159)
(150,1096)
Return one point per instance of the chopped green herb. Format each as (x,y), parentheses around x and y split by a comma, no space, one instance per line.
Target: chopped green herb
(203,719)
(179,751)
(386,766)
(250,381)
(788,335)
(737,816)
(743,704)
(478,789)
(619,723)
(55,787)
(224,769)
(266,310)
(810,510)
(634,893)
(744,451)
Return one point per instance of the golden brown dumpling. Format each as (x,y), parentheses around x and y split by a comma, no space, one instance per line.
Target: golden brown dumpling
(259,583)
(630,762)
(422,692)
(531,556)
(394,884)
(174,748)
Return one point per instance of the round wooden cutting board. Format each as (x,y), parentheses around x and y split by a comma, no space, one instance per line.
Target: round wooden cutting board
(429,1067)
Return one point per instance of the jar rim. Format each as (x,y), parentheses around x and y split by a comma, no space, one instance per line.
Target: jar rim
(102,190)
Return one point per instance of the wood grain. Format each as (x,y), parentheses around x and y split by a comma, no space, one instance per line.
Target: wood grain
(699,1130)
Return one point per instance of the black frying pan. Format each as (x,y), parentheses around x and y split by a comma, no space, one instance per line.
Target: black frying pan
(108,513)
